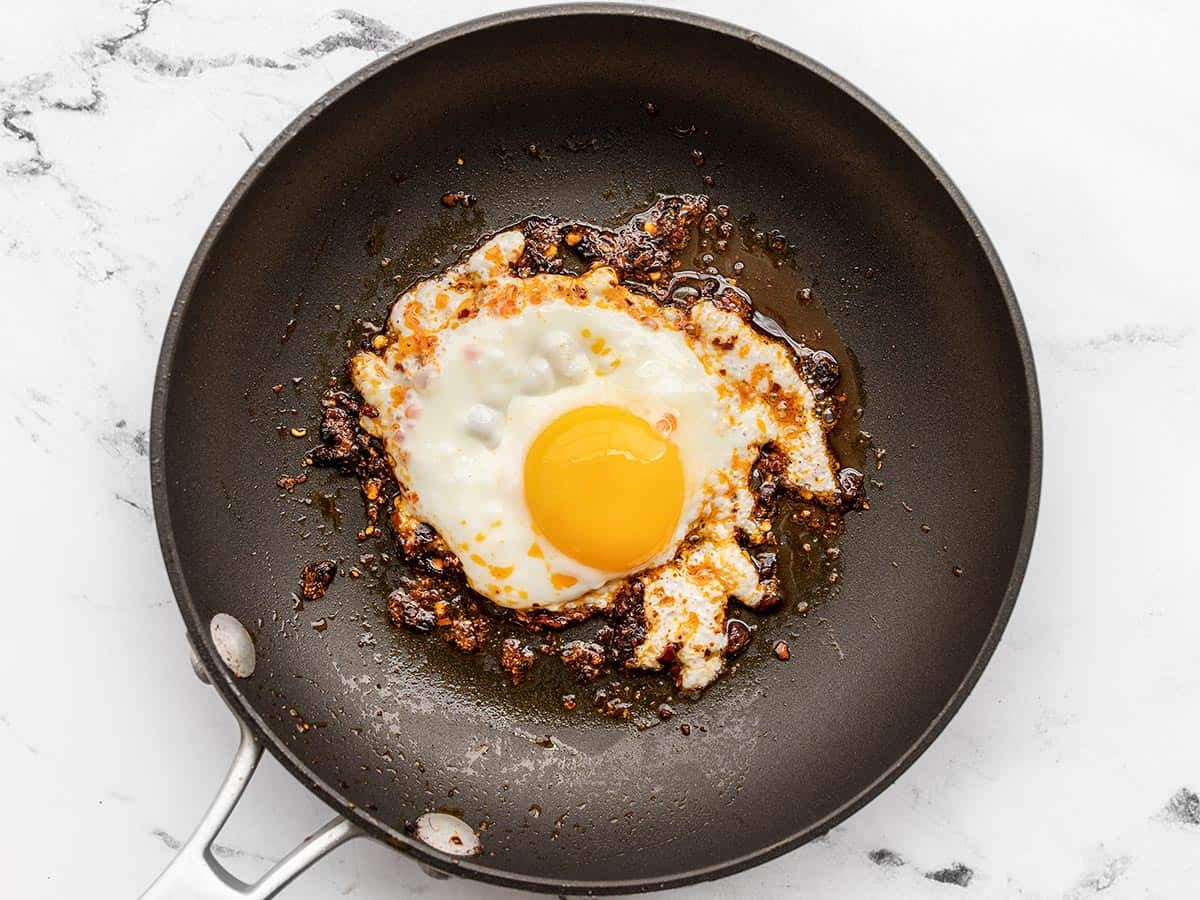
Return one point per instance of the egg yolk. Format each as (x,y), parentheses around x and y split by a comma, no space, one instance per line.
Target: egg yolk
(604,487)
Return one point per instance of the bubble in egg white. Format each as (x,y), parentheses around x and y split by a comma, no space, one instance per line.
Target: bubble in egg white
(538,378)
(576,369)
(485,424)
(564,357)
(554,343)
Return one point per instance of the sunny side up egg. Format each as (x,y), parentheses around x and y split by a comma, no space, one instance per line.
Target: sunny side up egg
(563,434)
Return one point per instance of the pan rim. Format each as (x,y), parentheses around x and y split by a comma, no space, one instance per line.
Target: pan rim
(225,682)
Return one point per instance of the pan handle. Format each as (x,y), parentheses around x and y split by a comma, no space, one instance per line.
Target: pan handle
(195,874)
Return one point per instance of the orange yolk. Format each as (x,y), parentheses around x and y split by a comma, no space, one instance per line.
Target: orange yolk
(605,487)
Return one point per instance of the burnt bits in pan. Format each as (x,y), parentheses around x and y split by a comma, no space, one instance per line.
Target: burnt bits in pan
(731,260)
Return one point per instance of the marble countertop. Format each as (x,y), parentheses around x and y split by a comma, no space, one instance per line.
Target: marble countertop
(1072,770)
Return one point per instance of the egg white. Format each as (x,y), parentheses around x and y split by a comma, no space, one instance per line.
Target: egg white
(466,465)
(478,361)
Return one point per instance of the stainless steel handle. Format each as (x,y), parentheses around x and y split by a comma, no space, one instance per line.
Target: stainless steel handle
(195,874)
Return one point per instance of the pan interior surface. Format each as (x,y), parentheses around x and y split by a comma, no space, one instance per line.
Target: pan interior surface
(385,729)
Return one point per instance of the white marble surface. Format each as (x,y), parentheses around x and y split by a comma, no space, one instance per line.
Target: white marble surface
(1071,127)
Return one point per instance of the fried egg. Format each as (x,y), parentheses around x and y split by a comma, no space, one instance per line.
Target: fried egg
(564,434)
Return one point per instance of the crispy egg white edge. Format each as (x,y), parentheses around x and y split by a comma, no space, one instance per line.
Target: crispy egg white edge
(810,468)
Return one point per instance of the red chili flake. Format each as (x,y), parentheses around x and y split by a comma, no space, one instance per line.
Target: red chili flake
(289,482)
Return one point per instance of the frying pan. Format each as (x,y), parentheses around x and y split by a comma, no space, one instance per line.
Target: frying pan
(386,727)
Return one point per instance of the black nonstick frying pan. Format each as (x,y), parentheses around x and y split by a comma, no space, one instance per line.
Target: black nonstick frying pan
(384,726)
